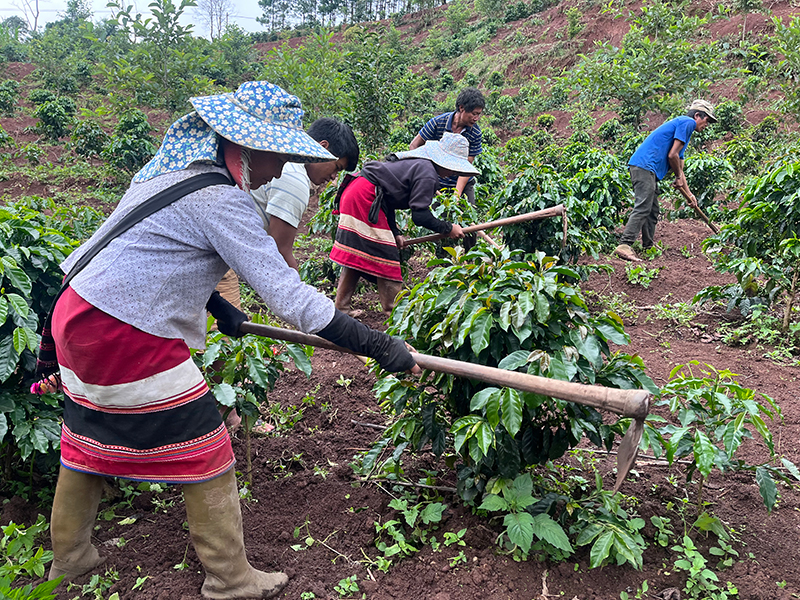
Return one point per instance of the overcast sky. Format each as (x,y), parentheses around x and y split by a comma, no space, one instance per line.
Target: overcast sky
(245,15)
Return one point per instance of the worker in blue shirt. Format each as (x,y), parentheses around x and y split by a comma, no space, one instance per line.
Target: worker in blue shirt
(660,153)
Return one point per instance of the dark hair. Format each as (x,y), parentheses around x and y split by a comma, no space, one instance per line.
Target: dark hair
(469,99)
(340,138)
(697,112)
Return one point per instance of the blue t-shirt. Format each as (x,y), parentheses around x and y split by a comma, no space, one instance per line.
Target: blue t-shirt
(653,152)
(438,126)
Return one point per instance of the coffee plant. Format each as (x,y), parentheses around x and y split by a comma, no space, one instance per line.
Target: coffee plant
(56,117)
(32,246)
(761,246)
(502,309)
(131,145)
(593,186)
(715,414)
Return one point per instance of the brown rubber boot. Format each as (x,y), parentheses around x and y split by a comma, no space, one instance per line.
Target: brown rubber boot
(215,524)
(71,524)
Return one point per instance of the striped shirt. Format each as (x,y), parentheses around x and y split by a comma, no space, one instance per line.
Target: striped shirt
(438,126)
(285,197)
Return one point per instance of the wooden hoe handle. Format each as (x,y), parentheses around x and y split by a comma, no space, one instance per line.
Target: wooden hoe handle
(553,211)
(627,403)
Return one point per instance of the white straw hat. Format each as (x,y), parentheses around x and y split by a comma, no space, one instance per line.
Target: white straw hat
(450,152)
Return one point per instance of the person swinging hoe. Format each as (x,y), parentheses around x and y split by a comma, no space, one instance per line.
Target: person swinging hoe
(660,153)
(368,241)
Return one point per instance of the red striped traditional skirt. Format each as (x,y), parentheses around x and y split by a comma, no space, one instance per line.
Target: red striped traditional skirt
(361,245)
(135,404)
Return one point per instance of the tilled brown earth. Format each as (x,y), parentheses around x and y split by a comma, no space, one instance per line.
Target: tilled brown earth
(301,479)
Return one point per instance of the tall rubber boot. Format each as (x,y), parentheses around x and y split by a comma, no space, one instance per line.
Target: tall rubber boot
(72,522)
(215,524)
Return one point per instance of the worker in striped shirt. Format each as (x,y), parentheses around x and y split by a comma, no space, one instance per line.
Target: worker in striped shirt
(464,120)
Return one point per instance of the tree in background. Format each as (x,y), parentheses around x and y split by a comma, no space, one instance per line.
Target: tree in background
(214,15)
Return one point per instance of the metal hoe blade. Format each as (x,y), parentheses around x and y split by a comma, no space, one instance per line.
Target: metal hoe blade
(628,451)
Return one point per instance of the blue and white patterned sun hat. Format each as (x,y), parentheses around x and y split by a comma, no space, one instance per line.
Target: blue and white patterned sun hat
(259,116)
(450,152)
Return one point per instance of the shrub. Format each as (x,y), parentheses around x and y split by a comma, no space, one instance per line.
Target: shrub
(495,80)
(765,132)
(89,139)
(504,112)
(610,130)
(761,243)
(545,121)
(6,141)
(8,97)
(131,145)
(490,137)
(744,154)
(716,415)
(32,246)
(707,175)
(55,117)
(498,308)
(40,96)
(729,117)
(595,189)
(446,81)
(517,11)
(519,153)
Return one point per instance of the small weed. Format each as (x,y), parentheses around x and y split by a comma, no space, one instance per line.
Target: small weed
(347,586)
(183,565)
(641,592)
(458,558)
(655,251)
(686,252)
(616,303)
(680,313)
(451,538)
(701,581)
(307,596)
(140,582)
(344,382)
(639,275)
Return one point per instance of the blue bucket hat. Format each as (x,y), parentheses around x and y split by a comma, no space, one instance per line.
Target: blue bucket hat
(259,116)
(451,152)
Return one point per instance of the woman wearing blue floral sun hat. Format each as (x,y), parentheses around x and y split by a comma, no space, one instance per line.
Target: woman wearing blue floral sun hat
(136,406)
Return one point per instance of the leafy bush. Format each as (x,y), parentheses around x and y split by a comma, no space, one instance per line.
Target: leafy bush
(707,175)
(8,97)
(55,117)
(89,139)
(504,112)
(131,145)
(32,246)
(730,117)
(714,412)
(762,240)
(40,96)
(545,121)
(6,141)
(496,308)
(610,130)
(495,80)
(446,81)
(519,153)
(595,189)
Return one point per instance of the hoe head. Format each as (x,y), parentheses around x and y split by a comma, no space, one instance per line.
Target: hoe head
(628,450)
